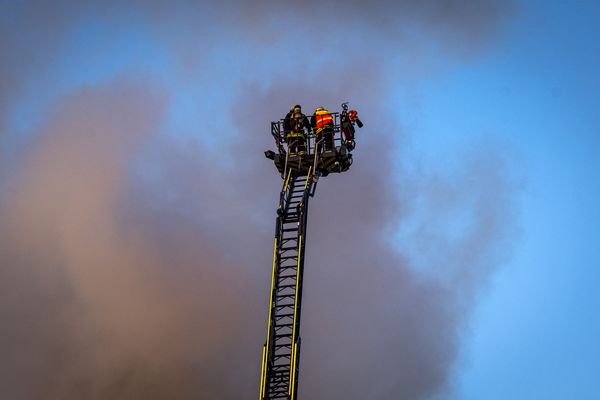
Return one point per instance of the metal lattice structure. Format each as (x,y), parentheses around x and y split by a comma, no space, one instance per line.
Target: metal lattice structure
(300,173)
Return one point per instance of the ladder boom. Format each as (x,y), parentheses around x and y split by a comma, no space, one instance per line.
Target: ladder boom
(281,351)
(309,155)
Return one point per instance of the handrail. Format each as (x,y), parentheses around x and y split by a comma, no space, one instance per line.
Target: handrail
(277,130)
(316,154)
(287,155)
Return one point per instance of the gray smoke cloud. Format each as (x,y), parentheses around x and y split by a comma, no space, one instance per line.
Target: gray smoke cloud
(378,322)
(137,265)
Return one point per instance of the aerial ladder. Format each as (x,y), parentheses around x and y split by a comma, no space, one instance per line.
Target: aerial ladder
(300,172)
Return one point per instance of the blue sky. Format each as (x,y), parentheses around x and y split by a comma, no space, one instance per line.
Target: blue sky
(533,91)
(534,334)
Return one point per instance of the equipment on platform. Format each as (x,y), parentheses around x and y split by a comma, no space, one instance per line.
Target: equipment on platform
(300,171)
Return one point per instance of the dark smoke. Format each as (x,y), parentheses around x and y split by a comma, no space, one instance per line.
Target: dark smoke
(136,265)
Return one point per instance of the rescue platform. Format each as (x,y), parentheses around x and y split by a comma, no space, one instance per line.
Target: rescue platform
(338,160)
(317,156)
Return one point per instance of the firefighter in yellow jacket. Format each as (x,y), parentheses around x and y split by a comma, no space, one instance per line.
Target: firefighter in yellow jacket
(322,123)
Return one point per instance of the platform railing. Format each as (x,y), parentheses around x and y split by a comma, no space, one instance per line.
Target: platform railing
(277,131)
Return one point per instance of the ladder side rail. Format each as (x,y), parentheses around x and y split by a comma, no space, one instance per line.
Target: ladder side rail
(285,189)
(289,191)
(270,340)
(317,154)
(302,218)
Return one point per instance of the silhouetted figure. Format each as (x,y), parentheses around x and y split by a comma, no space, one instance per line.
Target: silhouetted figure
(293,129)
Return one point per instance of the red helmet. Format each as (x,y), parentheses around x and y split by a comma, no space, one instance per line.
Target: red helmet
(353,115)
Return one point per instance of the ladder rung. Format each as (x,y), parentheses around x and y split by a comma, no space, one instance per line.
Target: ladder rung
(287,264)
(280,394)
(284,267)
(286,286)
(283,296)
(293,264)
(279,379)
(285,258)
(277,367)
(280,374)
(289,248)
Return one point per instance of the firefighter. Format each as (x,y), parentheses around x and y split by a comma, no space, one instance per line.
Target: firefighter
(322,123)
(293,128)
(348,119)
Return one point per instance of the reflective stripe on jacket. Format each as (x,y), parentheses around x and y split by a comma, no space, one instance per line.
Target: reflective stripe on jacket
(322,119)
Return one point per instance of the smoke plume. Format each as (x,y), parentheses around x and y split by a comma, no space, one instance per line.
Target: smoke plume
(135,262)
